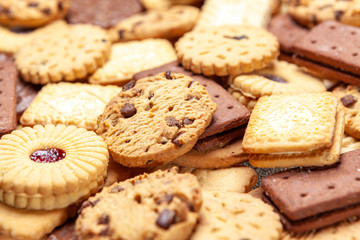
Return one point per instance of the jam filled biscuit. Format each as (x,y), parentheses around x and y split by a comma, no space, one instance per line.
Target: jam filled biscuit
(160,205)
(155,119)
(51,167)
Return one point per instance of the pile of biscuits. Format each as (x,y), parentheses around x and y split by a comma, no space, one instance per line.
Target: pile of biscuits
(179,119)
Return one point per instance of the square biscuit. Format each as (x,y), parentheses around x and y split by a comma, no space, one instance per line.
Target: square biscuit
(320,157)
(291,123)
(70,104)
(128,58)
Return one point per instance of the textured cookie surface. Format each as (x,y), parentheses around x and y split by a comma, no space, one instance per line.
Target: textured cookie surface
(31,13)
(70,104)
(69,53)
(288,123)
(38,166)
(169,24)
(177,108)
(135,209)
(104,13)
(227,50)
(224,215)
(129,58)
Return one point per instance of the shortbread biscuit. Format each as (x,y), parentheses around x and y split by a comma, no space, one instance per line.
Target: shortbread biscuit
(348,97)
(311,13)
(176,108)
(160,205)
(31,13)
(69,53)
(220,157)
(131,57)
(169,24)
(225,215)
(349,144)
(248,102)
(227,50)
(76,104)
(38,166)
(235,12)
(291,123)
(31,224)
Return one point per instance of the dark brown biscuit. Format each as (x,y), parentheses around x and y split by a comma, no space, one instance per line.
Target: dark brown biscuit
(8,76)
(25,92)
(323,194)
(325,45)
(6,56)
(287,31)
(104,13)
(65,232)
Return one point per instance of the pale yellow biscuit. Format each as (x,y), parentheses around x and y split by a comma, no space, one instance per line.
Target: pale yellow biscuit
(32,13)
(51,167)
(321,157)
(227,50)
(291,123)
(69,53)
(248,102)
(169,24)
(235,12)
(231,215)
(76,104)
(131,57)
(349,144)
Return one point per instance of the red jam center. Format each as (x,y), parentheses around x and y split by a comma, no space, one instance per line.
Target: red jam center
(48,155)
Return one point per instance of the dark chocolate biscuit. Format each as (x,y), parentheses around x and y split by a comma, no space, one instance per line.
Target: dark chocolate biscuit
(8,76)
(25,92)
(64,232)
(104,13)
(311,199)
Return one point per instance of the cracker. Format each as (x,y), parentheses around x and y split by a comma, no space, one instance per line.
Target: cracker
(291,123)
(76,104)
(169,24)
(129,58)
(69,53)
(227,50)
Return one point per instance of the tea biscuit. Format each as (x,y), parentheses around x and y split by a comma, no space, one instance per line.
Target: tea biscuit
(177,108)
(248,102)
(38,166)
(69,53)
(291,123)
(76,104)
(348,97)
(135,209)
(10,41)
(220,157)
(131,57)
(311,13)
(169,24)
(32,13)
(235,12)
(227,50)
(31,224)
(349,144)
(225,215)
(104,13)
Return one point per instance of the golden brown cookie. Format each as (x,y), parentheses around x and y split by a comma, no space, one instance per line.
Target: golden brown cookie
(227,50)
(155,119)
(349,144)
(51,167)
(31,13)
(69,53)
(169,24)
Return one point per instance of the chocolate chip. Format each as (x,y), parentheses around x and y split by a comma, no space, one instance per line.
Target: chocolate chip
(166,219)
(338,14)
(46,11)
(105,232)
(191,97)
(88,204)
(128,110)
(33,4)
(60,6)
(167,199)
(175,139)
(348,100)
(168,75)
(187,121)
(314,19)
(190,206)
(240,37)
(103,40)
(171,121)
(149,161)
(151,95)
(104,219)
(117,189)
(274,78)
(121,34)
(190,84)
(129,85)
